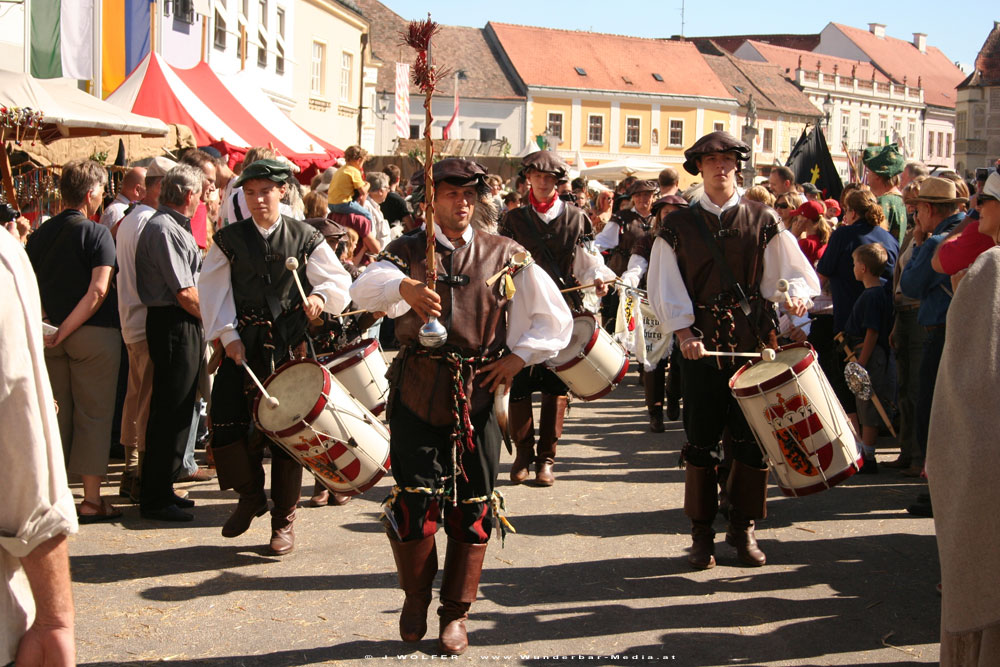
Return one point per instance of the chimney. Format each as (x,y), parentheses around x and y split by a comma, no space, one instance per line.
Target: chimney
(877,29)
(920,41)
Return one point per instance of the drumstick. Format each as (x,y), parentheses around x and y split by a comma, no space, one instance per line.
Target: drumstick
(783,288)
(351,312)
(875,400)
(292,264)
(272,402)
(763,354)
(579,287)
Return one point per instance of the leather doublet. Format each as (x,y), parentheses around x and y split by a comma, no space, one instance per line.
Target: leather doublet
(473,313)
(632,229)
(553,244)
(742,234)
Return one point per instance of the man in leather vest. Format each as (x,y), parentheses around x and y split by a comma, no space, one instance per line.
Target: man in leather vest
(712,280)
(249,302)
(445,444)
(628,226)
(559,237)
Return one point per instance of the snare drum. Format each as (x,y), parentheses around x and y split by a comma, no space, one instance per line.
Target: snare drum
(594,363)
(361,368)
(318,423)
(797,420)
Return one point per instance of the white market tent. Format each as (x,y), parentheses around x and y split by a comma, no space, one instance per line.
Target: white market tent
(619,169)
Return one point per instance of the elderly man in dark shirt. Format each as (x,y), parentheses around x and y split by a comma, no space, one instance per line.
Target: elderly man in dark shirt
(167,263)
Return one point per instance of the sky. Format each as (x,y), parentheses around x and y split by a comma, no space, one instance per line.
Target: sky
(959,35)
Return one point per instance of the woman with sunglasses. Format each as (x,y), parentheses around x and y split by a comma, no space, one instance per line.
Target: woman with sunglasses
(785,204)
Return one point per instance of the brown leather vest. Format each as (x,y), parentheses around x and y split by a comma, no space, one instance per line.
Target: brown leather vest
(745,231)
(553,244)
(631,228)
(473,313)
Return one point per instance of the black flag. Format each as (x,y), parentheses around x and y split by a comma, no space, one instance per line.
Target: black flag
(810,161)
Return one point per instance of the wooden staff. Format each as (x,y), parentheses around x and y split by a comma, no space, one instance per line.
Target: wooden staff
(875,400)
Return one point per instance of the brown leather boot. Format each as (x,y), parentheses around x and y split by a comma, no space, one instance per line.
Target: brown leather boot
(416,564)
(700,505)
(320,495)
(748,501)
(239,468)
(286,487)
(463,564)
(550,430)
(522,432)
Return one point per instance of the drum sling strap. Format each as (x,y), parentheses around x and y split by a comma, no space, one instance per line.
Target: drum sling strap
(729,282)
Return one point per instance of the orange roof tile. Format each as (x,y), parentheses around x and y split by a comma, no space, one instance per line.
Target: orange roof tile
(788,60)
(545,57)
(898,58)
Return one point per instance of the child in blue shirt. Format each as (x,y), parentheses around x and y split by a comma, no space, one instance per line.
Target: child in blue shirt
(867,332)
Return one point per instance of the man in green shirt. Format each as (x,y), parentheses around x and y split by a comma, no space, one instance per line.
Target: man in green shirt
(885,164)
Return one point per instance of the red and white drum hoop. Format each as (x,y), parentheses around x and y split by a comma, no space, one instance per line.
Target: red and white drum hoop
(361,368)
(798,422)
(320,425)
(594,363)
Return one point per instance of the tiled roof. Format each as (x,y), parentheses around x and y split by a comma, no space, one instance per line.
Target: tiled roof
(788,60)
(547,57)
(987,71)
(455,48)
(771,90)
(732,42)
(899,58)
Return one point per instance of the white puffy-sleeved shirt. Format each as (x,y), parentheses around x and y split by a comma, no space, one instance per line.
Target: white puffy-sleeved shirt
(37,502)
(539,323)
(782,259)
(215,289)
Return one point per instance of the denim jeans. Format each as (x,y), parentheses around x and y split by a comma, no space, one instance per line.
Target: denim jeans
(351,207)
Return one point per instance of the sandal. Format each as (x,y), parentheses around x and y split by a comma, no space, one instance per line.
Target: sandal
(102,512)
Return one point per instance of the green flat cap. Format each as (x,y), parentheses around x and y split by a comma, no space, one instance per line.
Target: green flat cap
(272,170)
(886,161)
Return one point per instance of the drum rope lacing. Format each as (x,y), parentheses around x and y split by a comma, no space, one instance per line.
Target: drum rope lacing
(462,433)
(498,505)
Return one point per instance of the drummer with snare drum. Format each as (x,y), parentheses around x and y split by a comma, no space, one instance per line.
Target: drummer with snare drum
(560,239)
(250,302)
(713,280)
(445,443)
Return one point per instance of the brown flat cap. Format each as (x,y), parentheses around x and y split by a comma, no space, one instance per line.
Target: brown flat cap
(716,142)
(643,186)
(330,230)
(668,200)
(547,161)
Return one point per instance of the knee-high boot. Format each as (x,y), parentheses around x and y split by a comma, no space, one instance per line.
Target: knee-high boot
(416,564)
(652,382)
(286,487)
(748,502)
(463,565)
(239,468)
(700,505)
(522,432)
(550,430)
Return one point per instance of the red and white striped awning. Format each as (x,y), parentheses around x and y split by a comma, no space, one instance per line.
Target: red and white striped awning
(218,112)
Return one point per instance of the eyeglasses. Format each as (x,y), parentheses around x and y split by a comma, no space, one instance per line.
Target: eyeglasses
(782,205)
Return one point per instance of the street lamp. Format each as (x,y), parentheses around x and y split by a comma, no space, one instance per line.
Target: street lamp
(827,112)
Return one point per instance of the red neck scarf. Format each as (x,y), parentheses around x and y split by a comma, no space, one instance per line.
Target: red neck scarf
(542,207)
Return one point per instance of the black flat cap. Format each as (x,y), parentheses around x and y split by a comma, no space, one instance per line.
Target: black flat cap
(453,170)
(547,161)
(643,186)
(268,169)
(330,230)
(716,142)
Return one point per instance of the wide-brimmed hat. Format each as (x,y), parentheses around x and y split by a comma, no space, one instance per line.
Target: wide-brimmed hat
(643,186)
(267,169)
(886,161)
(668,200)
(547,161)
(811,209)
(715,142)
(936,190)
